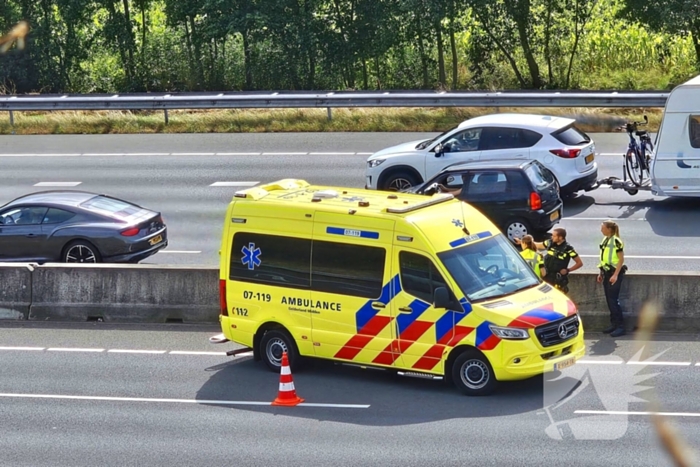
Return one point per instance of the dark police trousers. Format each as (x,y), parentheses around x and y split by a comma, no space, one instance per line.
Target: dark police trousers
(612,295)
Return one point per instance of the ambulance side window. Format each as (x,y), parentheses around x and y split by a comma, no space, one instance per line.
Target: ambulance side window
(346,269)
(271,260)
(420,277)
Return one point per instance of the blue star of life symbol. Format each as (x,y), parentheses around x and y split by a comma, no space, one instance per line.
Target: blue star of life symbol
(251,256)
(457,223)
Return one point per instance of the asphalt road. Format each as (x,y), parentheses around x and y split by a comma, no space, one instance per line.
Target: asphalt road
(191,178)
(86,395)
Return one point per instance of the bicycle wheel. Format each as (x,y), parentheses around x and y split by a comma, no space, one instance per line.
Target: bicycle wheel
(634,168)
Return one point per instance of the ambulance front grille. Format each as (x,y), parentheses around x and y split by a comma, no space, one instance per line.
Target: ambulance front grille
(558,331)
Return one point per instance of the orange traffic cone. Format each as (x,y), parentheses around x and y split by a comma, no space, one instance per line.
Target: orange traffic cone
(287,395)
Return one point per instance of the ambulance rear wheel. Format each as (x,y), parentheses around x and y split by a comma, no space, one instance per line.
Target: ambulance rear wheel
(273,344)
(473,375)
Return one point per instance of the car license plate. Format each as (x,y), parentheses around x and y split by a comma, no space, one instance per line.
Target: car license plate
(565,364)
(156,239)
(554,216)
(589,158)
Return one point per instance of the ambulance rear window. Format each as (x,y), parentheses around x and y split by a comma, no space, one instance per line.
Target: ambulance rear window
(334,267)
(271,259)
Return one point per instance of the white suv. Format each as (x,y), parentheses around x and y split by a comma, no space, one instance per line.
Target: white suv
(555,142)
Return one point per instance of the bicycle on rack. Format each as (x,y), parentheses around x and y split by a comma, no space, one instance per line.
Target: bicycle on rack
(638,155)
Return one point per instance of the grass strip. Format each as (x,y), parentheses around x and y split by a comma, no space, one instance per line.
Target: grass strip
(298,120)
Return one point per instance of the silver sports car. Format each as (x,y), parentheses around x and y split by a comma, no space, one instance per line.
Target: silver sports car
(78,227)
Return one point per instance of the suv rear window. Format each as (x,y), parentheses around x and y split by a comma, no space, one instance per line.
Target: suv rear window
(571,136)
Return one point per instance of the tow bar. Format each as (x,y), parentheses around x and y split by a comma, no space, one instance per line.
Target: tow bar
(627,185)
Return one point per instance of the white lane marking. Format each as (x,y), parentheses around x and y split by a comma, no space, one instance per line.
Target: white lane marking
(245,354)
(601,362)
(647,257)
(621,412)
(21,348)
(187,352)
(134,351)
(603,218)
(176,401)
(179,252)
(57,183)
(234,183)
(146,154)
(47,154)
(659,363)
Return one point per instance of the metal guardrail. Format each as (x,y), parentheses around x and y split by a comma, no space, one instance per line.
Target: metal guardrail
(239,100)
(328,100)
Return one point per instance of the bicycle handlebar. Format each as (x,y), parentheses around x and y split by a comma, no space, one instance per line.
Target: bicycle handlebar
(631,127)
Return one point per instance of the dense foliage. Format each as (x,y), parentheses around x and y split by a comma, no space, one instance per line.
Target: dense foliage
(93,46)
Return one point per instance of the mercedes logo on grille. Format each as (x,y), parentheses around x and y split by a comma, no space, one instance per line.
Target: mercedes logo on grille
(562,331)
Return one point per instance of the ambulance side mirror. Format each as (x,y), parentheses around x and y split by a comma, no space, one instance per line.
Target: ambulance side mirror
(441,299)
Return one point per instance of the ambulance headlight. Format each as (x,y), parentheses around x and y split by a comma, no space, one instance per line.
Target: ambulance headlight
(509,333)
(375,163)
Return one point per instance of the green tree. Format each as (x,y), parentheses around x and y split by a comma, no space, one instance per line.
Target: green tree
(674,16)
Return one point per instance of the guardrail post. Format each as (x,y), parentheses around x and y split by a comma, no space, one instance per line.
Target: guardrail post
(12,121)
(330,114)
(166,116)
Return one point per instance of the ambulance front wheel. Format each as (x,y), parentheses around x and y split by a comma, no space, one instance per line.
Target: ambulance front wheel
(472,374)
(273,344)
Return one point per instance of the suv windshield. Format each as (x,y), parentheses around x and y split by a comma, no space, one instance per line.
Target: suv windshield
(428,142)
(488,269)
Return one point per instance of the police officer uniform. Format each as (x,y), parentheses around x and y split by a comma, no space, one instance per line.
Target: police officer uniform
(557,258)
(609,249)
(534,259)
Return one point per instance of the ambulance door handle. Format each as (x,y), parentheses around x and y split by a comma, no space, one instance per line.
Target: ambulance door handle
(406,309)
(377,305)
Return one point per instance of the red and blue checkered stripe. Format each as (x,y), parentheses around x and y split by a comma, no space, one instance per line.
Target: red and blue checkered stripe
(368,323)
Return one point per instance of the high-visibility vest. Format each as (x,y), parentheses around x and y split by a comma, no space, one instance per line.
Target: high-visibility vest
(534,259)
(608,252)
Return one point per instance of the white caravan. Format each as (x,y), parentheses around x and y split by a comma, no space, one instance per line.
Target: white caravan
(675,161)
(675,168)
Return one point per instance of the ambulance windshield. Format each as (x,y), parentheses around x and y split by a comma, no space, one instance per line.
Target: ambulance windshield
(488,269)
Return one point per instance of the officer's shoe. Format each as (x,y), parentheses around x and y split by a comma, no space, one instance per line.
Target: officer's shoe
(609,329)
(618,332)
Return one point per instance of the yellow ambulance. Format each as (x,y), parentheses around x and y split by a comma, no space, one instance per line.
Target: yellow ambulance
(426,286)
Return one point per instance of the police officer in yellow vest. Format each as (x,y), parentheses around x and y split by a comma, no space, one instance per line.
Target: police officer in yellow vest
(531,255)
(557,258)
(612,271)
